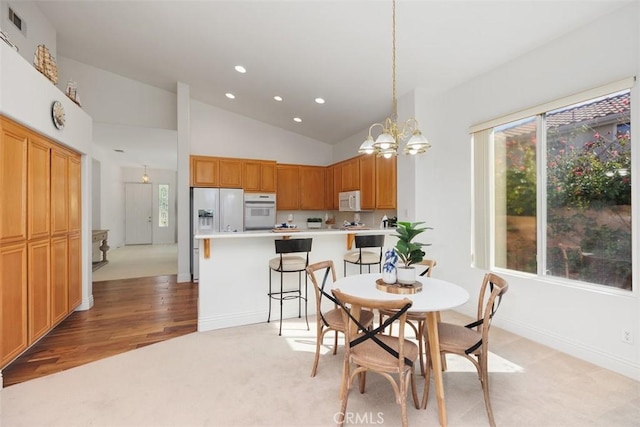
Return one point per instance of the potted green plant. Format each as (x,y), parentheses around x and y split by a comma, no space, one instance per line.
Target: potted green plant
(409,252)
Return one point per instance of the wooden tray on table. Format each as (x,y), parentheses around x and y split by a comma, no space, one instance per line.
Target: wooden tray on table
(397,288)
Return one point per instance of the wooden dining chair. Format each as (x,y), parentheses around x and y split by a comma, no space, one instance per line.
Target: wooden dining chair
(374,351)
(472,341)
(331,320)
(416,319)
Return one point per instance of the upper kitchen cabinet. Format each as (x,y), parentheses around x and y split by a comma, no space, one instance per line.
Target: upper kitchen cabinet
(350,177)
(386,183)
(367,168)
(260,176)
(13,182)
(231,171)
(330,195)
(288,187)
(312,187)
(205,171)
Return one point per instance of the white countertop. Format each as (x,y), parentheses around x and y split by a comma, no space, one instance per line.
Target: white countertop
(301,232)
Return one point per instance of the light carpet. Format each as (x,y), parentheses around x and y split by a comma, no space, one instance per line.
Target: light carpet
(249,376)
(133,261)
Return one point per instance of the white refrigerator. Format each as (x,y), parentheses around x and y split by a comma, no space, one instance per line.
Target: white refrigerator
(214,210)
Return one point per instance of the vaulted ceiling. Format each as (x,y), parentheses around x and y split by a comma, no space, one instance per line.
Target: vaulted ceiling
(301,50)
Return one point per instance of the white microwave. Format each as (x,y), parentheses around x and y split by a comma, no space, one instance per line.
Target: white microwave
(349,201)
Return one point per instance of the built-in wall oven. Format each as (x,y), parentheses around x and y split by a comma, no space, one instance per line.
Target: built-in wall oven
(259,211)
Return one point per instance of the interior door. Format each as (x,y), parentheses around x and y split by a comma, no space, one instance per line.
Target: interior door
(138,214)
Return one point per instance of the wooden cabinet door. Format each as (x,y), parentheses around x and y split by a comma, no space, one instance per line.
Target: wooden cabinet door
(252,176)
(75,196)
(75,271)
(59,279)
(337,184)
(328,189)
(13,301)
(351,175)
(367,166)
(205,171)
(13,183)
(312,185)
(386,183)
(59,192)
(288,186)
(231,173)
(268,177)
(38,190)
(39,289)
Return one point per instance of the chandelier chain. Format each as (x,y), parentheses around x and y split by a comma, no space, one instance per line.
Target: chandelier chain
(394,106)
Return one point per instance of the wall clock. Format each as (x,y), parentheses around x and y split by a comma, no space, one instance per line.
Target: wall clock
(57,114)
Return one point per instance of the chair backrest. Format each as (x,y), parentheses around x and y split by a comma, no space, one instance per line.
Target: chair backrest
(429,263)
(287,246)
(324,268)
(352,307)
(369,241)
(491,292)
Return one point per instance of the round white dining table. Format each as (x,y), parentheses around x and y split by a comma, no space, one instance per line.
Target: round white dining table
(436,295)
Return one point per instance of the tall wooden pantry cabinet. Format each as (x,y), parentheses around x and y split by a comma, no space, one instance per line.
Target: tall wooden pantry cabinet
(40,245)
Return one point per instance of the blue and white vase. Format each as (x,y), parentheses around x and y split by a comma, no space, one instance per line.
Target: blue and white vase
(389,267)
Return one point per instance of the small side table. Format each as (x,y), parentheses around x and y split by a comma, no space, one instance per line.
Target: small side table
(100,236)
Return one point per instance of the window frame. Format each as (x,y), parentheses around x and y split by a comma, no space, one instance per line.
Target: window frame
(483,243)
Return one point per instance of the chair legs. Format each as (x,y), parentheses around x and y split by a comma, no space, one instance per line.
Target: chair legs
(401,390)
(281,297)
(484,380)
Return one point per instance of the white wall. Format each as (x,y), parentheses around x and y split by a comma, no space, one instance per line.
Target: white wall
(586,322)
(39,30)
(216,132)
(111,98)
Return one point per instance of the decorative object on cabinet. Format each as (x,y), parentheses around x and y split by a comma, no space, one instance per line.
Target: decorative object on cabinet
(387,142)
(72,92)
(57,114)
(4,36)
(408,251)
(45,63)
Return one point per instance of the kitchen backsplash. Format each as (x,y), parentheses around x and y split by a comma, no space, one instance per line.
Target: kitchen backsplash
(370,219)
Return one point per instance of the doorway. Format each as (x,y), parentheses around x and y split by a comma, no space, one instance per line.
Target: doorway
(138,214)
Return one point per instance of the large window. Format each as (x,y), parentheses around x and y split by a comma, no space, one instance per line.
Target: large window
(558,192)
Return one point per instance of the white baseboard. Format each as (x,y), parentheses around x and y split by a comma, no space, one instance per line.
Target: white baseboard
(598,357)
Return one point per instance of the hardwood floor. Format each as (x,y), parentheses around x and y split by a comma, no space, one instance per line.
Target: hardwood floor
(127,314)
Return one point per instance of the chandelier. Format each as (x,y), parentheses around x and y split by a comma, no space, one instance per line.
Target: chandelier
(387,143)
(145,177)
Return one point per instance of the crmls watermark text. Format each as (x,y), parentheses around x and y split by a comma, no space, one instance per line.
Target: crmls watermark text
(355,418)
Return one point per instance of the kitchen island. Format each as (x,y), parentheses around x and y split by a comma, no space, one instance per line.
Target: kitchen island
(234,272)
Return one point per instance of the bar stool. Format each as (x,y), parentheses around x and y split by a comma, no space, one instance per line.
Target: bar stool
(290,264)
(368,258)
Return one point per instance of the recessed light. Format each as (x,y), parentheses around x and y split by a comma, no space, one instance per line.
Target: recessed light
(241,69)
(297,119)
(230,95)
(319,100)
(277,98)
